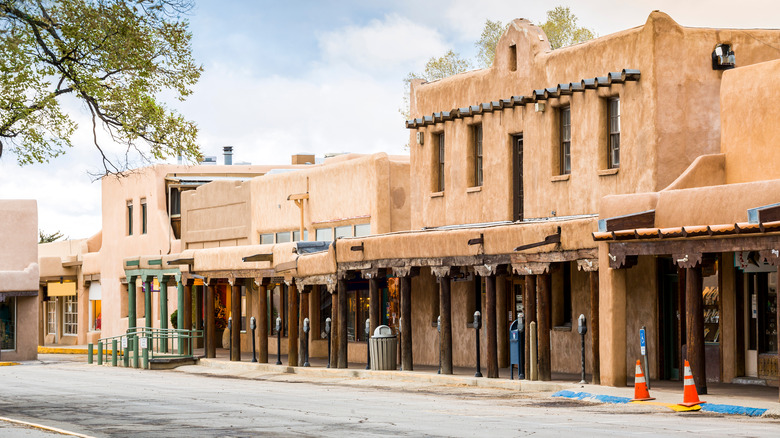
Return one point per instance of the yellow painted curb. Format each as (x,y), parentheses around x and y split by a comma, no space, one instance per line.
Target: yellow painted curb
(42,427)
(8,364)
(676,408)
(60,350)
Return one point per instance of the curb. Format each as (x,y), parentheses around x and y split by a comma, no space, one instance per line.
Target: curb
(8,364)
(42,427)
(438,379)
(707,407)
(61,350)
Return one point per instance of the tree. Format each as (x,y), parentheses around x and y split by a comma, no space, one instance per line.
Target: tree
(48,238)
(436,68)
(115,57)
(562,30)
(487,42)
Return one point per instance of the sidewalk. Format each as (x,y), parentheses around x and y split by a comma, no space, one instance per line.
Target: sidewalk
(723,398)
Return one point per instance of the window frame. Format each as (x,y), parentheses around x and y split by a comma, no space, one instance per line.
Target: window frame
(613,135)
(440,151)
(564,143)
(144,221)
(477,150)
(129,217)
(70,320)
(325,230)
(264,236)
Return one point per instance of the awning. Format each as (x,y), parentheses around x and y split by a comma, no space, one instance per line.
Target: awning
(94,291)
(64,289)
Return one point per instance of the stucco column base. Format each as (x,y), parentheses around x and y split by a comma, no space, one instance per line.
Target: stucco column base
(612,321)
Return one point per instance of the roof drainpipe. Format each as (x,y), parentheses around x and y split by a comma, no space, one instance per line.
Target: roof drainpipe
(228,151)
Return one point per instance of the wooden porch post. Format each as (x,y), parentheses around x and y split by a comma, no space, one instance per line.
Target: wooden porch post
(374,303)
(334,329)
(502,320)
(490,326)
(186,314)
(292,325)
(445,312)
(407,362)
(695,321)
(342,340)
(529,309)
(544,322)
(211,348)
(594,326)
(304,313)
(235,313)
(132,316)
(148,301)
(262,320)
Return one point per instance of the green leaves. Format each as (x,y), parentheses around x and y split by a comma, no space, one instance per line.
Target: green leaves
(116,56)
(562,30)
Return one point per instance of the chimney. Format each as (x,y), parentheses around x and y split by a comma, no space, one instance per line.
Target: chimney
(228,151)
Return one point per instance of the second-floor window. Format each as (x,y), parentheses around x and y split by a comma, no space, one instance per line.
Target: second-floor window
(477,133)
(565,146)
(143,216)
(129,218)
(439,144)
(613,106)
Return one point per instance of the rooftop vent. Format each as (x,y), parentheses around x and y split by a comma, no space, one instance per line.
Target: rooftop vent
(723,57)
(209,160)
(228,152)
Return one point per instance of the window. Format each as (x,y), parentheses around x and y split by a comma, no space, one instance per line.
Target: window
(283,237)
(513,57)
(266,239)
(70,315)
(565,146)
(326,306)
(143,216)
(357,313)
(439,145)
(477,138)
(129,218)
(51,318)
(345,231)
(175,202)
(96,316)
(613,106)
(297,235)
(362,230)
(8,324)
(324,234)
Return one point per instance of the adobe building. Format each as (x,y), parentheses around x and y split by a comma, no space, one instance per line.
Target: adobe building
(18,280)
(263,248)
(705,247)
(508,167)
(64,295)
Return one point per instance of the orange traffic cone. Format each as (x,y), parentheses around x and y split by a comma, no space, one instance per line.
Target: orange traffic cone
(640,386)
(690,395)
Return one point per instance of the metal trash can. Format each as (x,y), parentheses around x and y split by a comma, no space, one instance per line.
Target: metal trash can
(384,345)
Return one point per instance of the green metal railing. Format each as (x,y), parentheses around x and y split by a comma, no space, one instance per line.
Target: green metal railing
(145,343)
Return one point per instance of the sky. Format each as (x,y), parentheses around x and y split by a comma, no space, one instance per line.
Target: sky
(319,77)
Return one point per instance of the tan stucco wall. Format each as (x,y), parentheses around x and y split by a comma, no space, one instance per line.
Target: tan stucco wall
(217,214)
(642,310)
(678,91)
(749,112)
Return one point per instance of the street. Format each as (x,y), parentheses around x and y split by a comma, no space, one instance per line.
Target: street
(105,401)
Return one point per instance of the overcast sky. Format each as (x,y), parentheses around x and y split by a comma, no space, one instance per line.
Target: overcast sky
(319,77)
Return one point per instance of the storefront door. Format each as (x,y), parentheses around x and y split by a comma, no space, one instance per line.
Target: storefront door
(669,314)
(761,320)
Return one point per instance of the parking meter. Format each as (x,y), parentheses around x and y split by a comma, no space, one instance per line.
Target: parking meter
(278,340)
(306,342)
(368,347)
(253,326)
(582,329)
(327,336)
(477,324)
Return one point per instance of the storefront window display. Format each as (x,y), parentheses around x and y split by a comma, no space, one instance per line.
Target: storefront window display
(8,324)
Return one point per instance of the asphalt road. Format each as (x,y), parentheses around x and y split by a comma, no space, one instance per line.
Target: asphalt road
(104,401)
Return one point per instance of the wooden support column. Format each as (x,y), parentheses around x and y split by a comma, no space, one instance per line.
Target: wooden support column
(148,301)
(186,315)
(304,313)
(445,312)
(594,326)
(235,313)
(374,304)
(777,322)
(502,320)
(292,325)
(262,320)
(211,348)
(544,317)
(132,316)
(695,321)
(163,306)
(490,326)
(529,309)
(407,362)
(334,329)
(342,340)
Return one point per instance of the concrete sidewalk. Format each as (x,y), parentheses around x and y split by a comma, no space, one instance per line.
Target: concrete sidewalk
(721,398)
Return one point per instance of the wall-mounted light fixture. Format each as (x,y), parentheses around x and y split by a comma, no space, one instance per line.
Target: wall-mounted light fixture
(539,107)
(420,138)
(723,57)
